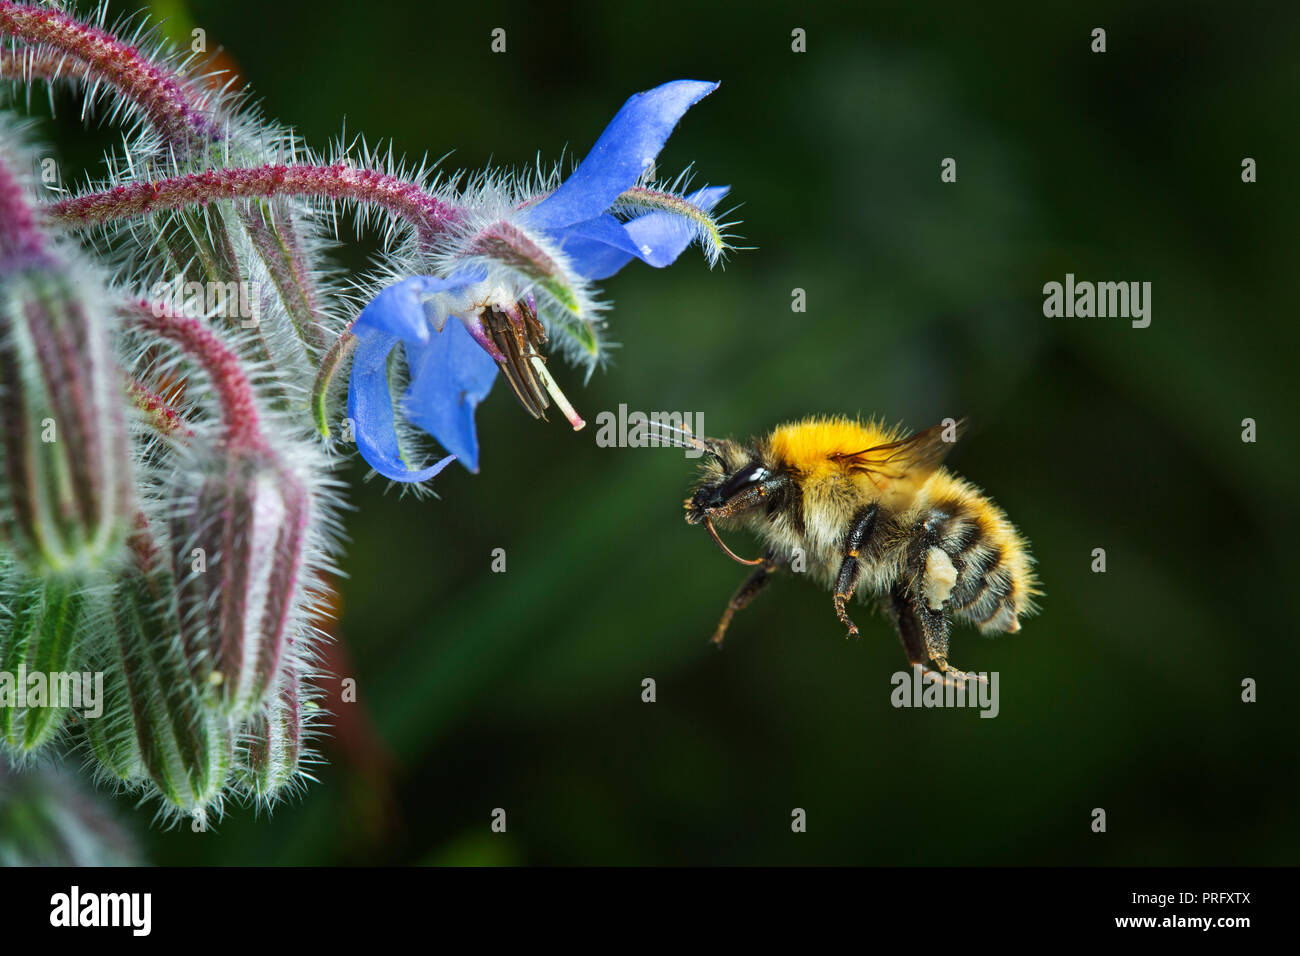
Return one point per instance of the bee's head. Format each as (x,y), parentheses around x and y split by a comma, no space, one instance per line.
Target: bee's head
(733,479)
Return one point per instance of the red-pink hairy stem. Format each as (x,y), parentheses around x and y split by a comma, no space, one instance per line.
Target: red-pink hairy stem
(276,241)
(406,200)
(239,416)
(156,90)
(33,63)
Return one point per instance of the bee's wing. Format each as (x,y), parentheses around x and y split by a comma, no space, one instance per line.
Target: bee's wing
(913,457)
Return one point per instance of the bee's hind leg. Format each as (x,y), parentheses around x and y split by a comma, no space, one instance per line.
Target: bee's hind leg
(744,594)
(924,634)
(958,677)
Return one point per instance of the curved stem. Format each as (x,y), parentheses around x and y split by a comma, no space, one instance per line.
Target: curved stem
(56,42)
(239,415)
(34,63)
(157,91)
(330,363)
(273,234)
(405,200)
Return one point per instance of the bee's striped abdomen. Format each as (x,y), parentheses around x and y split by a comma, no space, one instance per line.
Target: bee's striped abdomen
(994,584)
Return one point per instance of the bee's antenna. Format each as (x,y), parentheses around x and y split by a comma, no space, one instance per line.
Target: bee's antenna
(686,437)
(672,441)
(713,533)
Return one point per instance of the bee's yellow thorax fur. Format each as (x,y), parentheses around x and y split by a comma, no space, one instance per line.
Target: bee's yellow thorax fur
(807,446)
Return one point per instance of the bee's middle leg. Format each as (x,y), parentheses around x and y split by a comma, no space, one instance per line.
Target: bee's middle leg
(744,594)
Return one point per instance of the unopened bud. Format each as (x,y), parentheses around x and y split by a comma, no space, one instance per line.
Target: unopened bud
(64,466)
(40,662)
(249,519)
(184,743)
(270,755)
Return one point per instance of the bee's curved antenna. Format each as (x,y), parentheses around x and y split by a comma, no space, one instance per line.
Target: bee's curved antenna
(685,438)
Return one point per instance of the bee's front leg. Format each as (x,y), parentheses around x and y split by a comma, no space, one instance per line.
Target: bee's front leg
(846,582)
(845,585)
(744,594)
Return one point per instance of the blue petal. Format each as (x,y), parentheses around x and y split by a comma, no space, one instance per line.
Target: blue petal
(370,406)
(398,309)
(625,149)
(449,377)
(595,260)
(600,247)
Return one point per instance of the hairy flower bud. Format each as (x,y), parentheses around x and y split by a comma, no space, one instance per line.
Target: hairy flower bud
(237,555)
(112,738)
(184,742)
(270,755)
(64,467)
(40,661)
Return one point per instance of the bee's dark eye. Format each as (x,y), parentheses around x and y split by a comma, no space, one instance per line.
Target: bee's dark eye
(747,476)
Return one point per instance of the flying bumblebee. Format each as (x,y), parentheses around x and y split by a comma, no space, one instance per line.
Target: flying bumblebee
(871,514)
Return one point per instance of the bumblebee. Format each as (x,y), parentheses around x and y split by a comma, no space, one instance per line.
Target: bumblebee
(870,514)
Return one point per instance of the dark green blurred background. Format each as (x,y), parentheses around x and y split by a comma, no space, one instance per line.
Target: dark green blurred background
(523,690)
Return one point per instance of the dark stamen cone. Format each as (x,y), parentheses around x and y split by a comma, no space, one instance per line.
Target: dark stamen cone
(518,341)
(519,337)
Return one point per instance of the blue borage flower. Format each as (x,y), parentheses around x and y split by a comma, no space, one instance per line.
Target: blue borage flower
(516,273)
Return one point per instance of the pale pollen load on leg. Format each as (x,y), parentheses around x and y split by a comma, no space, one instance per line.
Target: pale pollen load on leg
(940,578)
